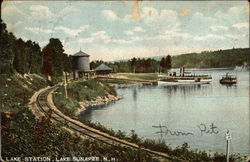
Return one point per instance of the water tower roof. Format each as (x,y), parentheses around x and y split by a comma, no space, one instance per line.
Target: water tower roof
(80,53)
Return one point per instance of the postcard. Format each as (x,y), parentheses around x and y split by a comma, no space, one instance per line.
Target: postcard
(124,80)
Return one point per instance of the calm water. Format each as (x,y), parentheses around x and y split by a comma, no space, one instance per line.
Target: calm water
(184,108)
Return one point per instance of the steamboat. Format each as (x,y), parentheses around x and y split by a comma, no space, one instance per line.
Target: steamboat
(183,78)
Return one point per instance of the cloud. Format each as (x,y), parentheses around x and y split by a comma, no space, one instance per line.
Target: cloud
(40,12)
(109,14)
(139,29)
(151,14)
(237,36)
(232,11)
(207,37)
(38,30)
(12,11)
(218,27)
(136,29)
(185,12)
(101,36)
(174,33)
(13,26)
(129,32)
(241,25)
(68,10)
(72,32)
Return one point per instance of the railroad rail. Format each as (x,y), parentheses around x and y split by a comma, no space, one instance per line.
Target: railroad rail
(76,126)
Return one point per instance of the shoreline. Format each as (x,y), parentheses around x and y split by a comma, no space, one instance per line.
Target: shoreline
(85,104)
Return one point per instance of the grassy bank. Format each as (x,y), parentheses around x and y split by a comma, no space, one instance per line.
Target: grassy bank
(80,91)
(16,90)
(143,76)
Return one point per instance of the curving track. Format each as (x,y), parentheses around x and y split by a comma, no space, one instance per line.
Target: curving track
(45,107)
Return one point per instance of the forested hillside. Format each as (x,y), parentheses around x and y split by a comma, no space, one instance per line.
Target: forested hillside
(213,59)
(207,59)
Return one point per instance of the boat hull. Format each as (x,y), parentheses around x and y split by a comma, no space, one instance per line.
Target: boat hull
(185,82)
(228,81)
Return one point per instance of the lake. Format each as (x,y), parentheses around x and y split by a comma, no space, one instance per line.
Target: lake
(204,112)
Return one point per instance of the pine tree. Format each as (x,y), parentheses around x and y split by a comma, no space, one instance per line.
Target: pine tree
(20,59)
(7,41)
(133,64)
(53,59)
(168,62)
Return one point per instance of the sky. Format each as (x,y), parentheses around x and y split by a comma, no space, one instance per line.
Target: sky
(114,30)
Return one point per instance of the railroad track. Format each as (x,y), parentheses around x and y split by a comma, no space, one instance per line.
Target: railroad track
(56,115)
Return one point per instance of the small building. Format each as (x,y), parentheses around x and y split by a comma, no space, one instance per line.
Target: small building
(103,69)
(81,66)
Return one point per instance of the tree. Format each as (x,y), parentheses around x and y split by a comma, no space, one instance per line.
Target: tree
(20,59)
(36,60)
(47,61)
(162,64)
(168,63)
(7,41)
(133,64)
(95,64)
(58,50)
(53,59)
(67,66)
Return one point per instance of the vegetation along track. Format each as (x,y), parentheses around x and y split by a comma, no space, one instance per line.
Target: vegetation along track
(57,116)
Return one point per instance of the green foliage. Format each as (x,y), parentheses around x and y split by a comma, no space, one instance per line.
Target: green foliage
(53,60)
(136,66)
(27,57)
(7,41)
(17,89)
(95,64)
(213,59)
(79,91)
(28,137)
(67,63)
(165,64)
(20,60)
(134,137)
(205,59)
(66,105)
(17,55)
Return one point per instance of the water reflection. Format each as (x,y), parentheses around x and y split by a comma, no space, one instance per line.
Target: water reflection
(171,91)
(134,94)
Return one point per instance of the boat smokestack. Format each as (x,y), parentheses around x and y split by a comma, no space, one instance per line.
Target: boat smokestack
(182,71)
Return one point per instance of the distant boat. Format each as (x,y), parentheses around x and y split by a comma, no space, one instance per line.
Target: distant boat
(184,78)
(228,79)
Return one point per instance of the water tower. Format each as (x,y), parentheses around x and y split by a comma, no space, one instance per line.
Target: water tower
(81,65)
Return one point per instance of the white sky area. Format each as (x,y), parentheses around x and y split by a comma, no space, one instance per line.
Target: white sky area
(109,30)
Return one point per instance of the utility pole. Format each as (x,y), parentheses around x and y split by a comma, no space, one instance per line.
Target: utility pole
(65,85)
(228,137)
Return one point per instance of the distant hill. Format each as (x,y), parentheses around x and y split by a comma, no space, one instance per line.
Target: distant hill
(208,59)
(213,59)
